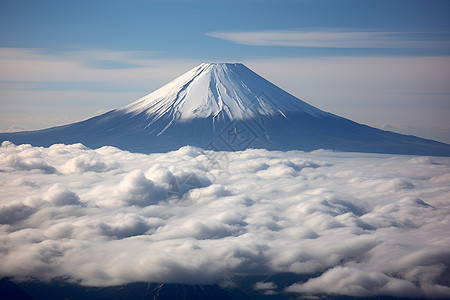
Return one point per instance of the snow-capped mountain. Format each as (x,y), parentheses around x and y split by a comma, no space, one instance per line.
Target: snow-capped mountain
(221,91)
(226,106)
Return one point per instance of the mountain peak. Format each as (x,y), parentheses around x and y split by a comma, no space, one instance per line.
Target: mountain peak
(218,90)
(221,64)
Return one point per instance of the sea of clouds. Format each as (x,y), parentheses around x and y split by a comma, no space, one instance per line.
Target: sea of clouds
(359,224)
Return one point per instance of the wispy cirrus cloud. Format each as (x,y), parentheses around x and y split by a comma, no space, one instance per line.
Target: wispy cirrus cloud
(331,39)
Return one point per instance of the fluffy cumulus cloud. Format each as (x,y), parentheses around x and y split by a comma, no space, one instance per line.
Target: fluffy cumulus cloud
(352,224)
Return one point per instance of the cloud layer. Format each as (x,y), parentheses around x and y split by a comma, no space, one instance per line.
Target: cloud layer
(358,224)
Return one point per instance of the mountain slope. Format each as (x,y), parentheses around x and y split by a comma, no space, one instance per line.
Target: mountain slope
(226,106)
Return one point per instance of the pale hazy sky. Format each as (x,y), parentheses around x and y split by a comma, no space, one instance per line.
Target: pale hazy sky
(382,63)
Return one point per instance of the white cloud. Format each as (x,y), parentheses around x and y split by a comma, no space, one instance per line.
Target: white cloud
(25,159)
(356,282)
(136,189)
(84,163)
(328,39)
(60,196)
(266,287)
(368,224)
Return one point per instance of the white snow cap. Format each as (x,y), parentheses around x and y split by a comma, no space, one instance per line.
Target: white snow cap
(219,90)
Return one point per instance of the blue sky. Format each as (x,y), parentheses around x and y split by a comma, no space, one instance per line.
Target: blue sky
(383,63)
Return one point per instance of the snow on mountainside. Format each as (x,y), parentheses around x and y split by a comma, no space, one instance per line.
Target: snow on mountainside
(219,90)
(226,106)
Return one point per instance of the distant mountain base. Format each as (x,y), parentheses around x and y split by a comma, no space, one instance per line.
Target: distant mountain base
(294,131)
